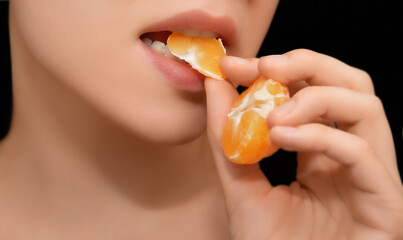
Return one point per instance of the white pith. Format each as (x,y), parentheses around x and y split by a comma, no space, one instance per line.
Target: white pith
(162,48)
(190,57)
(262,109)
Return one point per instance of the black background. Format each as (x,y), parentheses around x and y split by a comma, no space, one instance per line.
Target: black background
(366,34)
(363,33)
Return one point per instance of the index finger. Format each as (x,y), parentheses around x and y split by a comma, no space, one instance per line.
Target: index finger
(239,70)
(315,69)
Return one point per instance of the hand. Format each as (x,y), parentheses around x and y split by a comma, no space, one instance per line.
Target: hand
(348,185)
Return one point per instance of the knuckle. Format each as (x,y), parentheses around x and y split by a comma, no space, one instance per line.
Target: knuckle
(315,141)
(361,149)
(309,92)
(362,146)
(314,96)
(305,57)
(374,105)
(364,81)
(364,75)
(302,53)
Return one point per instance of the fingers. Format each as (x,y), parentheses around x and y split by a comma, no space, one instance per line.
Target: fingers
(336,92)
(220,96)
(316,69)
(238,181)
(352,152)
(339,105)
(328,90)
(239,70)
(319,138)
(357,113)
(244,72)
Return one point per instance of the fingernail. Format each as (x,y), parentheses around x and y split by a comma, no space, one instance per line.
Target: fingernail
(284,108)
(276,58)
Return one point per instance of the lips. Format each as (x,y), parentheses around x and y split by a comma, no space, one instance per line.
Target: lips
(158,40)
(198,20)
(178,74)
(192,23)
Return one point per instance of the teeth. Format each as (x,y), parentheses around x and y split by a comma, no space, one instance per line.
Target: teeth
(168,54)
(147,41)
(198,33)
(207,34)
(160,47)
(164,50)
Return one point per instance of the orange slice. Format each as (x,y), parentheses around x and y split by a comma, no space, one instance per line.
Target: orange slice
(246,135)
(203,54)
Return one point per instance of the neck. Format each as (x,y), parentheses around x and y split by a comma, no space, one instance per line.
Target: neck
(61,153)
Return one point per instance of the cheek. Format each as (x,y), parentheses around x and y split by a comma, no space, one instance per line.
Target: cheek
(254,26)
(91,47)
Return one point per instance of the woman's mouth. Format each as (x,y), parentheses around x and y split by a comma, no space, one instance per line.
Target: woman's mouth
(158,40)
(194,23)
(176,71)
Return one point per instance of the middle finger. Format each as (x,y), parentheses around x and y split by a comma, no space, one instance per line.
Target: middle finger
(343,106)
(359,114)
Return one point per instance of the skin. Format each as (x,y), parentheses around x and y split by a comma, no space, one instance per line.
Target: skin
(108,149)
(100,143)
(348,185)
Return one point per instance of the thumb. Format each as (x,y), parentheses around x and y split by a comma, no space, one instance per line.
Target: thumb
(238,181)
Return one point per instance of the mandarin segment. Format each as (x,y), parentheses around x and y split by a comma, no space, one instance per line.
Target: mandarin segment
(245,138)
(203,54)
(246,135)
(246,142)
(231,138)
(274,88)
(280,100)
(239,100)
(255,139)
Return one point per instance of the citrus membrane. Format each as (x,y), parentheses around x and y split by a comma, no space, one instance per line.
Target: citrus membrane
(245,137)
(203,54)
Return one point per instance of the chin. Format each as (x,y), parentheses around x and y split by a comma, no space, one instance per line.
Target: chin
(172,132)
(182,136)
(169,125)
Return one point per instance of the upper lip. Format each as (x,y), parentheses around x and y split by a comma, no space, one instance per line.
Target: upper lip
(224,26)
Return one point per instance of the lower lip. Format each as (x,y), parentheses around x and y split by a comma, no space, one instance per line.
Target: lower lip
(178,74)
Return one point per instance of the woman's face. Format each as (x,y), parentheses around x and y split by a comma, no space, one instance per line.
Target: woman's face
(95,48)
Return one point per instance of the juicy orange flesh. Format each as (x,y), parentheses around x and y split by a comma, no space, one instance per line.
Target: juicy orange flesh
(246,135)
(203,54)
(248,140)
